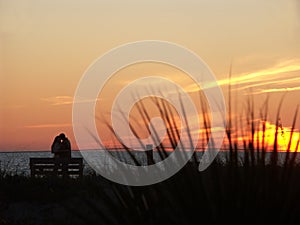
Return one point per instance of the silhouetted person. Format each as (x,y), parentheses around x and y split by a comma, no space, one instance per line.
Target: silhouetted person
(61,147)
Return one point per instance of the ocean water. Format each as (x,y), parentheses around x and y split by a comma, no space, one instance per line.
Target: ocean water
(18,162)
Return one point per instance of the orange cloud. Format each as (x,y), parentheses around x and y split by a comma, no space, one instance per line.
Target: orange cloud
(275,81)
(280,89)
(259,78)
(59,100)
(64,100)
(283,67)
(51,125)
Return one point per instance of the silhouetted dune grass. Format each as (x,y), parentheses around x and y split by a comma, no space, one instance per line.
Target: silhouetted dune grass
(225,194)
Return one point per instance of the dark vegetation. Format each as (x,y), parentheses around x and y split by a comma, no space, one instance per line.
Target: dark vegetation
(244,190)
(224,194)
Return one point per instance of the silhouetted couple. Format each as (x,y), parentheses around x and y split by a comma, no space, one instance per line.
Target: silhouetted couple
(61,147)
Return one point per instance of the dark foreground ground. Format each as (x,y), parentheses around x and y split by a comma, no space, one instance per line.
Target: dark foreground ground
(223,194)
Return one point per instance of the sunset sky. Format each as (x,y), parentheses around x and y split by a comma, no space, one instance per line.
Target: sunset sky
(45,47)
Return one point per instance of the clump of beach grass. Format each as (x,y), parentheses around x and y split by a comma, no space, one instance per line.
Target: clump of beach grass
(247,188)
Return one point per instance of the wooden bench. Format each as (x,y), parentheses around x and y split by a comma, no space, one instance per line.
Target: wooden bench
(71,167)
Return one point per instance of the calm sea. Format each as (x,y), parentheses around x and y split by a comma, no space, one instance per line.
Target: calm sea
(18,162)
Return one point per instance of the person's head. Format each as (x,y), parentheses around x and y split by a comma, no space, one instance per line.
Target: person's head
(62,136)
